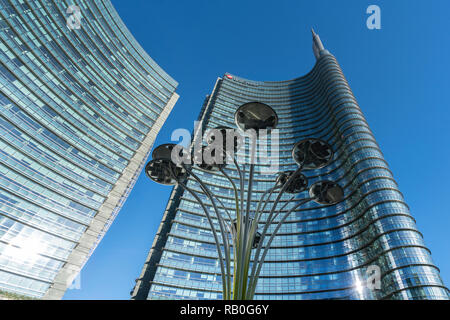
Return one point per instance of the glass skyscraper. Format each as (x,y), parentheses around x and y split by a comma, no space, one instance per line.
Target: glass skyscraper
(321,252)
(81,104)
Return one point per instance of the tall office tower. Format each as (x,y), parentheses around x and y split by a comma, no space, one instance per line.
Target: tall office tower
(81,104)
(321,252)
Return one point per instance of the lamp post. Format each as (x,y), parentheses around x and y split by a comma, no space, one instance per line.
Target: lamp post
(238,234)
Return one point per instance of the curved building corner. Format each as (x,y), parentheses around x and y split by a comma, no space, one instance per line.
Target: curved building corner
(80,109)
(321,252)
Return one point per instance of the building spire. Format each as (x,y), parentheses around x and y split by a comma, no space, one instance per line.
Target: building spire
(317,44)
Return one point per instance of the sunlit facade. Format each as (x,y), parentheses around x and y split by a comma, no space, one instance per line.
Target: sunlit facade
(80,109)
(321,252)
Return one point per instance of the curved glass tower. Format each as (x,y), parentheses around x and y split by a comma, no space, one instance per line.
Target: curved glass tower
(81,104)
(321,252)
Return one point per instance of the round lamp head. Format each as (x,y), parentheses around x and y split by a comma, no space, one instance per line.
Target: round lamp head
(255,115)
(164,172)
(256,240)
(207,160)
(174,153)
(298,184)
(312,153)
(163,151)
(226,133)
(326,192)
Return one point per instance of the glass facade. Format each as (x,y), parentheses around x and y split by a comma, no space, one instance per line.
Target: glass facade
(80,109)
(320,252)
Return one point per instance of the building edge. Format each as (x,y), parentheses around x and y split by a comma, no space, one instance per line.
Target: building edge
(142,286)
(101,222)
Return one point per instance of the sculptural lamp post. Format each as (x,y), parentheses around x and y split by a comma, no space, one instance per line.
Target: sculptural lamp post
(242,235)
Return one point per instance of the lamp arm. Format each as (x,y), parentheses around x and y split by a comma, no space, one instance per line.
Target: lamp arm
(281,209)
(254,276)
(213,229)
(221,226)
(269,218)
(236,196)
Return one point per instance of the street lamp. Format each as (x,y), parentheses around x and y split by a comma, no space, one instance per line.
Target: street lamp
(238,234)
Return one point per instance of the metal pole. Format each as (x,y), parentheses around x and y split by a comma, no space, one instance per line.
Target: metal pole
(221,226)
(237,230)
(270,216)
(247,239)
(236,196)
(219,250)
(254,280)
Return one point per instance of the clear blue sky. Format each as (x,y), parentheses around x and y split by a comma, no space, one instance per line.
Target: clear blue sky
(399,75)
